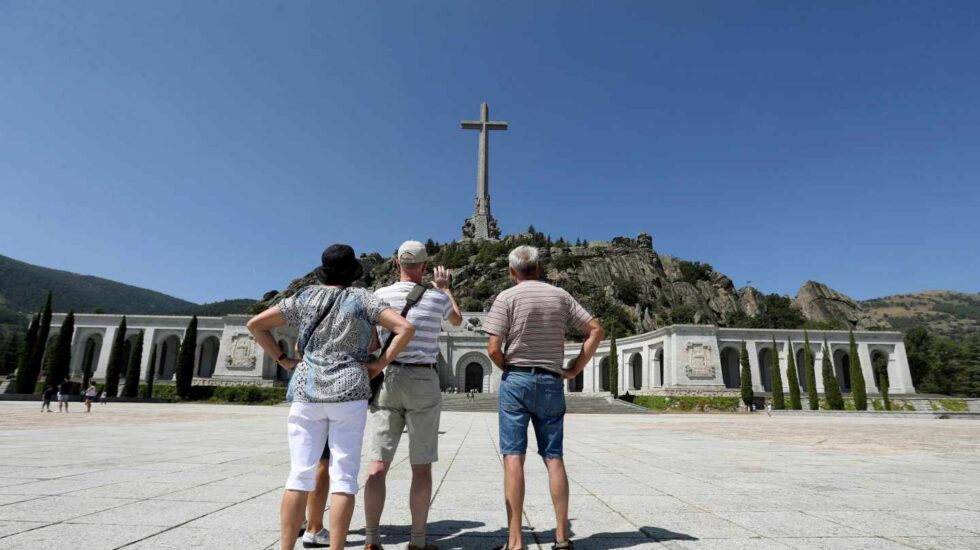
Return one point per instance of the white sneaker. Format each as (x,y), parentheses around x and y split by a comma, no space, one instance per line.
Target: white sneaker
(316,540)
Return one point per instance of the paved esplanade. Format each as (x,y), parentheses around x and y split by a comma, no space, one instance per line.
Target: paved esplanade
(210,476)
(482,225)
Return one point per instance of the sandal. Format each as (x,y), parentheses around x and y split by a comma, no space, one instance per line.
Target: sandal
(567,545)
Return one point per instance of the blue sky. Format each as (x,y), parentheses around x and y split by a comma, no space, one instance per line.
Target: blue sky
(212,149)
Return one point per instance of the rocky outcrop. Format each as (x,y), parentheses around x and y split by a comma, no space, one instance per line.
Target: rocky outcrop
(819,302)
(624,277)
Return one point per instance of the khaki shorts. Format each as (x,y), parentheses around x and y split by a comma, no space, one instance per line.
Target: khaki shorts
(410,396)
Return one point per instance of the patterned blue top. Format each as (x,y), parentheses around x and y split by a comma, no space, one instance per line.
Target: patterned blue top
(334,353)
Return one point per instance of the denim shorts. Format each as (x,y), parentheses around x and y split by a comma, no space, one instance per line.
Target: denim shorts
(537,398)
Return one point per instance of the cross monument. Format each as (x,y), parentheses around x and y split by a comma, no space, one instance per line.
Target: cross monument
(481,225)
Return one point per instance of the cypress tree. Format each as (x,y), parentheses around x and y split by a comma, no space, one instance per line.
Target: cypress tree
(116,361)
(88,362)
(9,353)
(748,397)
(24,383)
(883,388)
(150,373)
(778,400)
(613,367)
(791,378)
(858,391)
(58,366)
(40,345)
(811,375)
(132,386)
(831,390)
(185,360)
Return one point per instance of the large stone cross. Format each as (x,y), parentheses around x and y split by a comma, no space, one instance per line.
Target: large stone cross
(482,225)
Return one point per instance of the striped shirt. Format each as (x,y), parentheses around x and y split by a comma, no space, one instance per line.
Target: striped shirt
(532,318)
(426,316)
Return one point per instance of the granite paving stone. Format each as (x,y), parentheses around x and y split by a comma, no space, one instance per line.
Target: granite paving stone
(158,476)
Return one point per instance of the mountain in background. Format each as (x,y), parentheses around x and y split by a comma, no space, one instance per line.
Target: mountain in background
(23,288)
(944,312)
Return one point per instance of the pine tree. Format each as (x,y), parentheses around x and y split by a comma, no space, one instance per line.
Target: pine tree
(185,360)
(613,367)
(810,372)
(57,369)
(858,390)
(132,386)
(37,352)
(778,400)
(150,373)
(25,382)
(748,397)
(831,390)
(116,360)
(791,378)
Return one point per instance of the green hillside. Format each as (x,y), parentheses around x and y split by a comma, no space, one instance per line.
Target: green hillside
(23,287)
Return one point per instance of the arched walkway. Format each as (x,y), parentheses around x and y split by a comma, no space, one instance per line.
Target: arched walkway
(765,368)
(207,356)
(577,384)
(636,371)
(167,358)
(474,378)
(730,372)
(842,370)
(604,374)
(801,368)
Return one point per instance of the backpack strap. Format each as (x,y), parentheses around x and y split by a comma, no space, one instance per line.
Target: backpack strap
(414,296)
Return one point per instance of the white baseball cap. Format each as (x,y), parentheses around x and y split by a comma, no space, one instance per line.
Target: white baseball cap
(412,252)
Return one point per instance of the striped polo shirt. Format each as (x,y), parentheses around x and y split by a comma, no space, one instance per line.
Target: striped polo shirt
(426,316)
(532,318)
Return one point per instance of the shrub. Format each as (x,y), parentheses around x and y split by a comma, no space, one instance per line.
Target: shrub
(791,378)
(116,360)
(692,272)
(831,390)
(687,403)
(857,376)
(811,375)
(778,401)
(185,359)
(747,394)
(954,405)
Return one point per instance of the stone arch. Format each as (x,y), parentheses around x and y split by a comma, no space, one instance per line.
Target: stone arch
(879,366)
(765,368)
(636,371)
(731,373)
(167,357)
(207,356)
(801,368)
(842,369)
(577,384)
(473,359)
(604,374)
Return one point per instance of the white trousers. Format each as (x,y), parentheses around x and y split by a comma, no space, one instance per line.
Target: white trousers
(308,428)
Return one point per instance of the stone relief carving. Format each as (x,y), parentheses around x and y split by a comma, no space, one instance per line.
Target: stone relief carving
(699,365)
(242,354)
(473,324)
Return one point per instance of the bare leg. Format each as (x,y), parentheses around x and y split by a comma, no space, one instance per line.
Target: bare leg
(419,497)
(316,502)
(341,510)
(374,499)
(558,482)
(291,517)
(514,498)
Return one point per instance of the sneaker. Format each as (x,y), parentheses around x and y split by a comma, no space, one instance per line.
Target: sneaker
(316,540)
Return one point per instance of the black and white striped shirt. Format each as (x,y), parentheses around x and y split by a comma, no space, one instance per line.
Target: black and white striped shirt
(426,316)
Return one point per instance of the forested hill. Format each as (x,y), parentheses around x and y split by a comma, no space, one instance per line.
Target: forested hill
(23,288)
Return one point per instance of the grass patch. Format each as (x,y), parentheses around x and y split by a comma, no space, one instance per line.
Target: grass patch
(248,395)
(684,403)
(954,405)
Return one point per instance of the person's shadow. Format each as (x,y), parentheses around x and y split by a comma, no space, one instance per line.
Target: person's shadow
(615,540)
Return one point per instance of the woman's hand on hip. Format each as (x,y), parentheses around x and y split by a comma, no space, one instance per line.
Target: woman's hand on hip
(375,367)
(289,363)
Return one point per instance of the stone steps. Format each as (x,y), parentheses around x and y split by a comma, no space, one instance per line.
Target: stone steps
(578,404)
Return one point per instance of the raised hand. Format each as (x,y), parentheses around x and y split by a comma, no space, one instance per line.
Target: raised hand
(441,278)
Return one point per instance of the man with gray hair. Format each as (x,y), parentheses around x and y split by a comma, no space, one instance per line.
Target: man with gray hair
(531,319)
(410,396)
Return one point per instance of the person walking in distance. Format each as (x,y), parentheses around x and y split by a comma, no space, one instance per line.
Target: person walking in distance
(64,394)
(90,394)
(410,395)
(46,396)
(104,398)
(531,318)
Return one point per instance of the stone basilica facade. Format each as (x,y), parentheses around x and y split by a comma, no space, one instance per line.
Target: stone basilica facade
(679,358)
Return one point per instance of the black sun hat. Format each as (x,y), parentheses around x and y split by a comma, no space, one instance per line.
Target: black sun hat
(339,266)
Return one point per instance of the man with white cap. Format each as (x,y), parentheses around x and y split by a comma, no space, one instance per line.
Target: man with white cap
(410,395)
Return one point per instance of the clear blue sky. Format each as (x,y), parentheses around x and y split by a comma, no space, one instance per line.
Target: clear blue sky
(212,149)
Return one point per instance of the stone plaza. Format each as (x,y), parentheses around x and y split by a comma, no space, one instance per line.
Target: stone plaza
(210,476)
